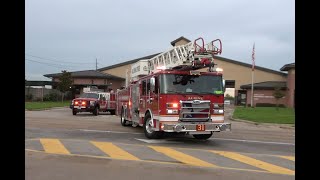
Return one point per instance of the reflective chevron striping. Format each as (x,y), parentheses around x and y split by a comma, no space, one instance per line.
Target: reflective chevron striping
(292,158)
(53,146)
(114,151)
(254,162)
(179,156)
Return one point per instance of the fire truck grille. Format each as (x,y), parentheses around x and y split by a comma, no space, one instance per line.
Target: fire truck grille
(195,111)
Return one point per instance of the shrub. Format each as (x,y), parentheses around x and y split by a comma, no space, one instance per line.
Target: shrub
(52,96)
(28,97)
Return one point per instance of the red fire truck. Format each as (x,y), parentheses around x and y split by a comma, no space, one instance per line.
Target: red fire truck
(179,90)
(94,102)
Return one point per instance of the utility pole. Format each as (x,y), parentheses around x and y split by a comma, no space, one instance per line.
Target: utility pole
(96,64)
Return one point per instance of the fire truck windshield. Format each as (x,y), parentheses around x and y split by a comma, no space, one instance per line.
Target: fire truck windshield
(89,95)
(190,84)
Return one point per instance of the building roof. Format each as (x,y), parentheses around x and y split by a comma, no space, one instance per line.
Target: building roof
(127,62)
(179,39)
(287,67)
(267,85)
(87,74)
(249,65)
(39,83)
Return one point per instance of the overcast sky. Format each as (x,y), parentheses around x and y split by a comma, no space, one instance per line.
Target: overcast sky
(71,34)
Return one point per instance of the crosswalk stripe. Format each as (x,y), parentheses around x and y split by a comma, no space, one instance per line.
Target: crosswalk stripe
(53,146)
(114,151)
(292,158)
(254,162)
(187,159)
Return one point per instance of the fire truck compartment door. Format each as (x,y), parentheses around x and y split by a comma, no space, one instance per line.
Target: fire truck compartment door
(135,97)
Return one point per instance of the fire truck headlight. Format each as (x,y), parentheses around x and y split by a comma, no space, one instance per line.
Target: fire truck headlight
(218,111)
(172,105)
(172,111)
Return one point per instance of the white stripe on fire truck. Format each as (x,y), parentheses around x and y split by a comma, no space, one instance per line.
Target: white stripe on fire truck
(217,118)
(166,118)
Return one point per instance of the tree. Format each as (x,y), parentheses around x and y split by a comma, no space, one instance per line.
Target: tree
(228,97)
(278,94)
(65,82)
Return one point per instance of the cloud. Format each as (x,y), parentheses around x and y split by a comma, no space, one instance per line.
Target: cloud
(117,31)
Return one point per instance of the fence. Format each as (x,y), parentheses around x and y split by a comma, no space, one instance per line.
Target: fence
(43,94)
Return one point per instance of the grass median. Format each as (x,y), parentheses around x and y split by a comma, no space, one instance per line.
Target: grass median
(265,114)
(45,105)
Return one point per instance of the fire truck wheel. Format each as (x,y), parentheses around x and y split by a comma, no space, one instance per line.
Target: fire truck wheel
(147,127)
(96,111)
(112,112)
(74,112)
(122,119)
(202,136)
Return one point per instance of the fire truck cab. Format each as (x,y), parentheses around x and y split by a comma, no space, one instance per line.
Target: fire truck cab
(175,99)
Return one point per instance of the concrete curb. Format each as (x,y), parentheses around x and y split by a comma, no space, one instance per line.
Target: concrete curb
(284,126)
(47,108)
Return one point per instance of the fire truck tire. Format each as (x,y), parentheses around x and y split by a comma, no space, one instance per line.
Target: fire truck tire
(123,121)
(202,136)
(112,112)
(74,112)
(96,111)
(149,133)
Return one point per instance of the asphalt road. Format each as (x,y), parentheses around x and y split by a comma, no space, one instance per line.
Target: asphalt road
(62,146)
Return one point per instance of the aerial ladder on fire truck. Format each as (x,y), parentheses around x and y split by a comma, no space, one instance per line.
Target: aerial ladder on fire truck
(191,56)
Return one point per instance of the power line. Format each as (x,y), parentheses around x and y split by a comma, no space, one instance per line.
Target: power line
(55,60)
(48,64)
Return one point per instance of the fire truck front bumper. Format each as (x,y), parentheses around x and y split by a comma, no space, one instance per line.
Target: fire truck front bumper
(196,127)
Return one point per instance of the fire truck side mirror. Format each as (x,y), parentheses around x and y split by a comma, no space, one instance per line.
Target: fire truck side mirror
(152,84)
(224,85)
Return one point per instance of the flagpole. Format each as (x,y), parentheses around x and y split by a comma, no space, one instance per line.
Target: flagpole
(252,74)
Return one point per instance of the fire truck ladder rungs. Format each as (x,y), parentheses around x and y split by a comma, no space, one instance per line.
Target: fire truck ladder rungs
(189,56)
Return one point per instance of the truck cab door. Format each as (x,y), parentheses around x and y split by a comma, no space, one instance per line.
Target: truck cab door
(153,96)
(135,96)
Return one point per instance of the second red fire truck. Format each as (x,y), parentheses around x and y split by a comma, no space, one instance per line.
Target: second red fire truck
(171,93)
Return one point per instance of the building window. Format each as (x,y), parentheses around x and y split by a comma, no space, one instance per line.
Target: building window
(91,81)
(105,81)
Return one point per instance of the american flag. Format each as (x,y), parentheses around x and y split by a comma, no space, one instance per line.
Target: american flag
(253,63)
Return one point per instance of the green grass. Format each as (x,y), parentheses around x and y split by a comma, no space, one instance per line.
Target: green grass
(265,115)
(45,105)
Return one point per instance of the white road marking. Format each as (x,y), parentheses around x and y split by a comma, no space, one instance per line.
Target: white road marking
(120,132)
(251,141)
(166,141)
(157,141)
